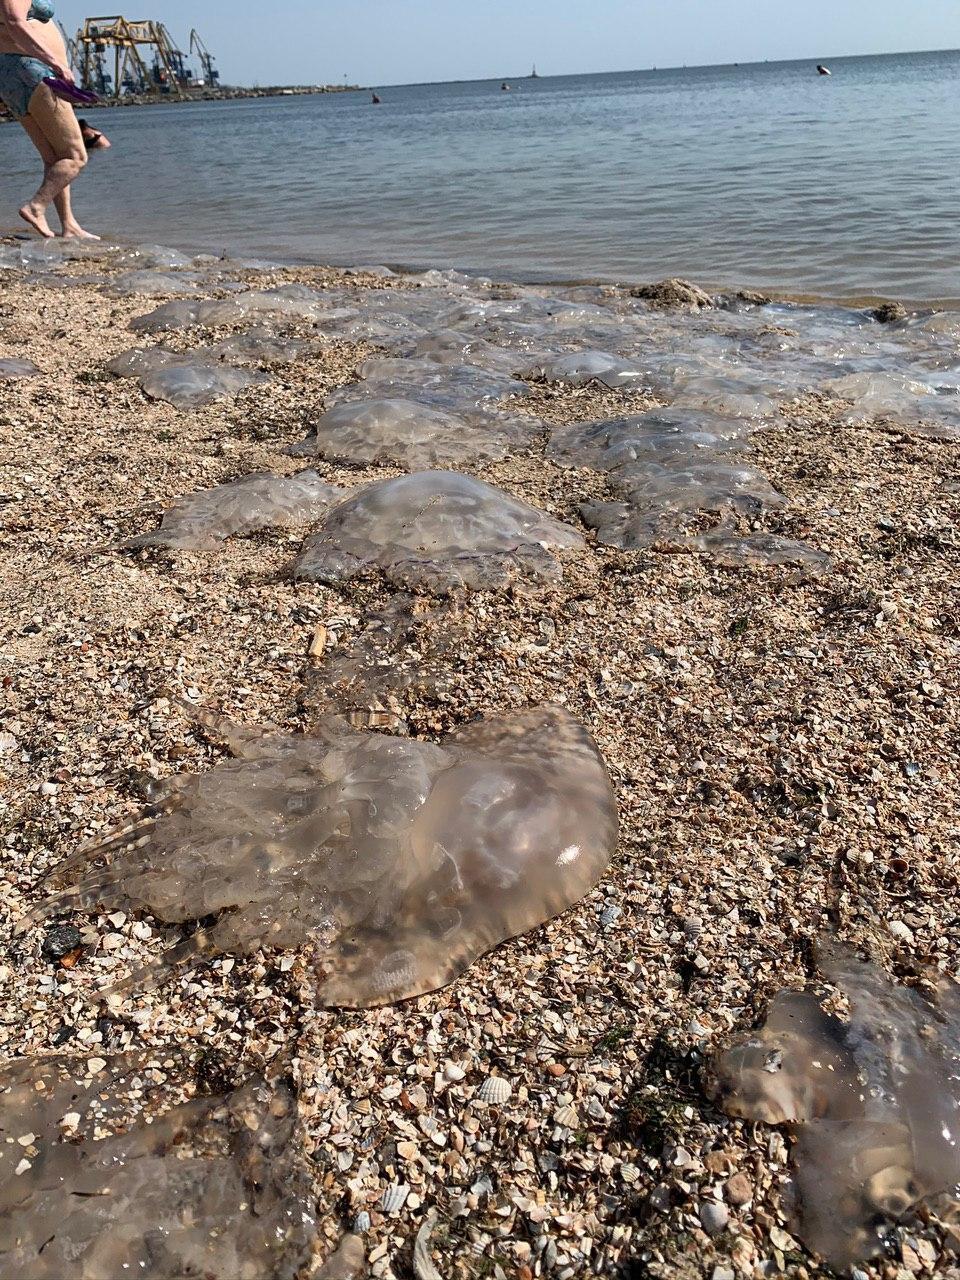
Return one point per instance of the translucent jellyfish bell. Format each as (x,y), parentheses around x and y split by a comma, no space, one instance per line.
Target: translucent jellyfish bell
(202,520)
(186,381)
(106,1195)
(401,861)
(438,530)
(408,433)
(873,1098)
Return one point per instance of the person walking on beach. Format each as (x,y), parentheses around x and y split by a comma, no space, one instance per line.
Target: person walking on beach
(32,49)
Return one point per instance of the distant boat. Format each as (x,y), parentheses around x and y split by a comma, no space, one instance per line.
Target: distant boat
(822,70)
(533,73)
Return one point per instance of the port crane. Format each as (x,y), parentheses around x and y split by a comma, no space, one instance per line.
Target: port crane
(145,58)
(208,74)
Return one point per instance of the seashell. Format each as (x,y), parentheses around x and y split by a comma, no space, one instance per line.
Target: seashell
(494,1090)
(423,1267)
(395,1197)
(453,1073)
(567,1116)
(361,1223)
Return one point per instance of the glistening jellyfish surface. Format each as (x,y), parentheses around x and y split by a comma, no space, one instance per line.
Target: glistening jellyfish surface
(873,1098)
(403,861)
(438,530)
(99,1192)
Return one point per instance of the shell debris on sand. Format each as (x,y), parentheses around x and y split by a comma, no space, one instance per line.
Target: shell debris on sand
(780,743)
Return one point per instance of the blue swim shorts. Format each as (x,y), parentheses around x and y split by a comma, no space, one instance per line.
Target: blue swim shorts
(19,77)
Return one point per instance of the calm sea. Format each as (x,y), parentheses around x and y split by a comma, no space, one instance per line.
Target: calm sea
(765,175)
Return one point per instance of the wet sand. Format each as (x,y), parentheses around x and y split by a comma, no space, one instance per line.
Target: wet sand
(783,751)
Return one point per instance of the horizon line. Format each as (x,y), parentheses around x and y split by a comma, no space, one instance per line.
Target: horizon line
(627,71)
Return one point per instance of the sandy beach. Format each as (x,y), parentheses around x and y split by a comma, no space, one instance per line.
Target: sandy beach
(783,750)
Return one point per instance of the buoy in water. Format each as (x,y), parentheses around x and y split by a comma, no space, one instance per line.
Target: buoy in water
(822,70)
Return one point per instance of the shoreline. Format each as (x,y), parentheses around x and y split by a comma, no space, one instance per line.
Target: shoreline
(757,724)
(854,300)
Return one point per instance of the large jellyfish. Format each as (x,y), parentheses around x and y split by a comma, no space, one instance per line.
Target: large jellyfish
(201,521)
(873,1098)
(402,861)
(217,1187)
(438,530)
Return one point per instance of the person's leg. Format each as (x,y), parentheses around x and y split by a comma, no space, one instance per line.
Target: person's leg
(58,127)
(71,227)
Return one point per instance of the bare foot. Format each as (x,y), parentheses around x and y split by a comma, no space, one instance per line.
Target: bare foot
(35,215)
(74,231)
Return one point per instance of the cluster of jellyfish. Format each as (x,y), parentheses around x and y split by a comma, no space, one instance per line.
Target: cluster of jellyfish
(400,862)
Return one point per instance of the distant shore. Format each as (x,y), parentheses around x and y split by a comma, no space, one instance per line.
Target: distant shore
(214,95)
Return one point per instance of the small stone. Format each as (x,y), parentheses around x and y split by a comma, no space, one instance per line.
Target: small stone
(782,1240)
(60,940)
(738,1190)
(889,313)
(713,1217)
(910,1258)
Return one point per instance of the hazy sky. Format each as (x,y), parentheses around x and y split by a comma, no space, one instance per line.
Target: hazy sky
(402,41)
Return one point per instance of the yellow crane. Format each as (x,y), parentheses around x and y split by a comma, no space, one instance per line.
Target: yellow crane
(130,42)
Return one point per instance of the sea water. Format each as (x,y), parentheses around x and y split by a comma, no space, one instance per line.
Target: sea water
(765,175)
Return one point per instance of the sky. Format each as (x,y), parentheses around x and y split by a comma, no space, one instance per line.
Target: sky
(375,42)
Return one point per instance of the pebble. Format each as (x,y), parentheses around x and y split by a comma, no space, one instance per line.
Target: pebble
(738,1190)
(60,940)
(713,1217)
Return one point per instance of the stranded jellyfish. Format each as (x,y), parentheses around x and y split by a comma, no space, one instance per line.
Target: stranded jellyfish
(406,433)
(402,861)
(438,530)
(873,1098)
(200,521)
(216,1187)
